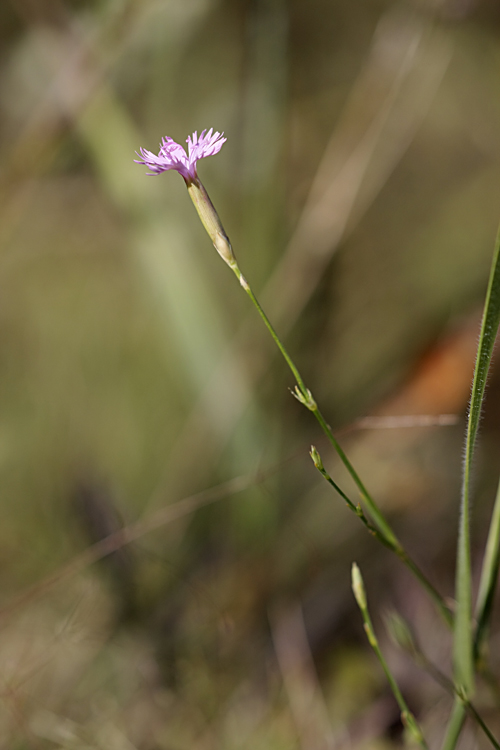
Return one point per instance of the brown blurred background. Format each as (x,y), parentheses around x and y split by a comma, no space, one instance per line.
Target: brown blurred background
(360,187)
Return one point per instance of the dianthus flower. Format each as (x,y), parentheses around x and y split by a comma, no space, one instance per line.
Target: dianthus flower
(173,156)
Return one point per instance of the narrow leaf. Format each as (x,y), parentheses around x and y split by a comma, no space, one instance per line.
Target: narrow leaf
(463,636)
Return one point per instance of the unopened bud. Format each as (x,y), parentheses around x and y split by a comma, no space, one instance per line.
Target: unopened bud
(358,587)
(305,398)
(316,458)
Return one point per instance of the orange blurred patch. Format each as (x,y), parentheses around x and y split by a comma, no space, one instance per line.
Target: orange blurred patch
(441,380)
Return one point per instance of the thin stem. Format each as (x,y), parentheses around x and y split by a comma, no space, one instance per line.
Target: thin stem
(396,548)
(407,717)
(375,511)
(410,645)
(356,509)
(304,395)
(434,594)
(469,706)
(271,330)
(455,725)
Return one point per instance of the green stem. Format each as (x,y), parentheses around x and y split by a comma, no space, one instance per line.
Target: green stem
(454,726)
(434,594)
(489,577)
(396,548)
(304,395)
(244,283)
(309,402)
(356,509)
(407,717)
(374,510)
(467,704)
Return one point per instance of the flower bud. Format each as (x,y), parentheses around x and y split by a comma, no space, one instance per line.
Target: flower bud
(316,458)
(358,587)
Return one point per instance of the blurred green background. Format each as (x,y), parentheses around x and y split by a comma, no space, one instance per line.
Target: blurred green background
(360,187)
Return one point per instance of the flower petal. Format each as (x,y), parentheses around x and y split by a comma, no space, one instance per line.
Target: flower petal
(208,144)
(173,156)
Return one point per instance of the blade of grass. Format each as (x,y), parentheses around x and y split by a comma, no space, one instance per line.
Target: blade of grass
(489,577)
(463,634)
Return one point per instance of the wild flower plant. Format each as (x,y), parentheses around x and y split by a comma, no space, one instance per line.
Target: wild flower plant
(468,634)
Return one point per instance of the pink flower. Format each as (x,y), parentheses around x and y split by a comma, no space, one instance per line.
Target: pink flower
(173,156)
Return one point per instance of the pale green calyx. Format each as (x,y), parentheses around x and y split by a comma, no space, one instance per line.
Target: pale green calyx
(210,220)
(305,397)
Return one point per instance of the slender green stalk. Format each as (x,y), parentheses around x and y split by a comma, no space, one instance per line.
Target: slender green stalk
(373,508)
(489,577)
(455,725)
(407,717)
(304,395)
(473,712)
(356,509)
